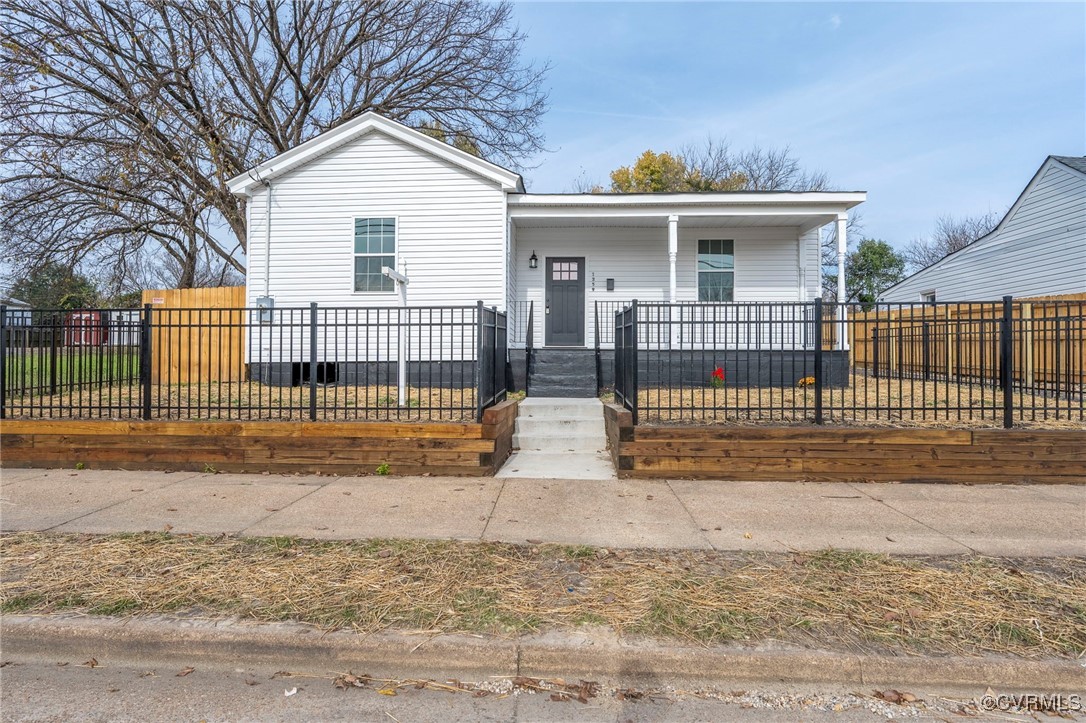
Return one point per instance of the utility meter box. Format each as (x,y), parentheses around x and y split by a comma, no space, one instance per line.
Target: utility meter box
(266,304)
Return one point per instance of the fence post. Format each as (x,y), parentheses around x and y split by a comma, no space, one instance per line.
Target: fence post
(53,355)
(632,362)
(925,349)
(818,360)
(479,361)
(145,362)
(312,361)
(3,360)
(875,349)
(1006,361)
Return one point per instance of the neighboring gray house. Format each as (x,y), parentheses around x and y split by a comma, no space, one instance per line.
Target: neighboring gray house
(1038,249)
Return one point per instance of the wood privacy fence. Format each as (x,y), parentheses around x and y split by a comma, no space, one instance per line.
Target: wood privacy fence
(204,340)
(962,341)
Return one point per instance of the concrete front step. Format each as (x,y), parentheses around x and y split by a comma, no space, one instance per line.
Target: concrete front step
(592,429)
(558,465)
(558,389)
(560,438)
(561,408)
(554,443)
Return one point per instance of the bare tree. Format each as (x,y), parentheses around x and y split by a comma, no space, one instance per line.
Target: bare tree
(951,234)
(122,121)
(755,169)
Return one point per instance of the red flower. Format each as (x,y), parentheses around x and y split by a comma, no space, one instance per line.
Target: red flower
(716,380)
(718,373)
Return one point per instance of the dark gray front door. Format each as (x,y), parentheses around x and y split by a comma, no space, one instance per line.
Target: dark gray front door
(565,302)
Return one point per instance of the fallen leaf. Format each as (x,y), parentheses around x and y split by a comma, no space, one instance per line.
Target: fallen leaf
(148,674)
(891,616)
(895,696)
(252,682)
(92,663)
(182,673)
(387,691)
(747,535)
(559,697)
(171,509)
(532,541)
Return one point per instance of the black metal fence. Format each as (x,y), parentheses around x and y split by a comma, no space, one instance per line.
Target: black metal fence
(970,363)
(312,363)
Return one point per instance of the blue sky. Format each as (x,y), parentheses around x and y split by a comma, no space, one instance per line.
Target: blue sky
(932,108)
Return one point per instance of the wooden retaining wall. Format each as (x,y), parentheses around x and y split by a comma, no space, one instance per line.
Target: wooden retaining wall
(842,454)
(344,448)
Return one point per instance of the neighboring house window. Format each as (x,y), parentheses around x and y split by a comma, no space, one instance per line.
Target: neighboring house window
(374,247)
(716,270)
(928,296)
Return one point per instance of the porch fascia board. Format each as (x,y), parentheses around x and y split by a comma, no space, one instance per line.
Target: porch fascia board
(804,218)
(824,200)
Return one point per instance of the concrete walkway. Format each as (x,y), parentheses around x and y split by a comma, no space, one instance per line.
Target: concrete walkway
(773,516)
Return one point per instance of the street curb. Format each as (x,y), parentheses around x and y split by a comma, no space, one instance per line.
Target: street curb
(593,655)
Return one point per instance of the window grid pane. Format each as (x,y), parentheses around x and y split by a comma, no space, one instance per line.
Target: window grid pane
(716,275)
(374,247)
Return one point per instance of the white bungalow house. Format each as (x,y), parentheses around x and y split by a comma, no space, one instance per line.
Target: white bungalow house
(326,217)
(1037,249)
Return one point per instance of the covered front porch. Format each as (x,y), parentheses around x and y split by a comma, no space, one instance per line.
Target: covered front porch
(575,260)
(573,256)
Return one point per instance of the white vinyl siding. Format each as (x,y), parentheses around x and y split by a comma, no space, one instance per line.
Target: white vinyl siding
(450,228)
(1039,251)
(766,266)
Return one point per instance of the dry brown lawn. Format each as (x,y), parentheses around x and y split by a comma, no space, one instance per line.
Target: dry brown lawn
(832,599)
(252,400)
(867,402)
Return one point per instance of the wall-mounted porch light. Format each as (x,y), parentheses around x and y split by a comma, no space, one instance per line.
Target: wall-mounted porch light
(533,261)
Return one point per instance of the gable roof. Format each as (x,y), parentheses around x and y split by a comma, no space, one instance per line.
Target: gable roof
(1077,164)
(369,122)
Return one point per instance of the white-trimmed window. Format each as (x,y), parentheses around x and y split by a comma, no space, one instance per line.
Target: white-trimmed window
(928,296)
(716,270)
(374,247)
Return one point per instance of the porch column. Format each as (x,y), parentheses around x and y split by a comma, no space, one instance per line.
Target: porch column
(842,249)
(673,252)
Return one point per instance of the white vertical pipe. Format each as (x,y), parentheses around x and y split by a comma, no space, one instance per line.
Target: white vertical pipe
(267,237)
(842,248)
(401,361)
(673,253)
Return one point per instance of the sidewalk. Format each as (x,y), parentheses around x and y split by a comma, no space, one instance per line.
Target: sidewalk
(1036,521)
